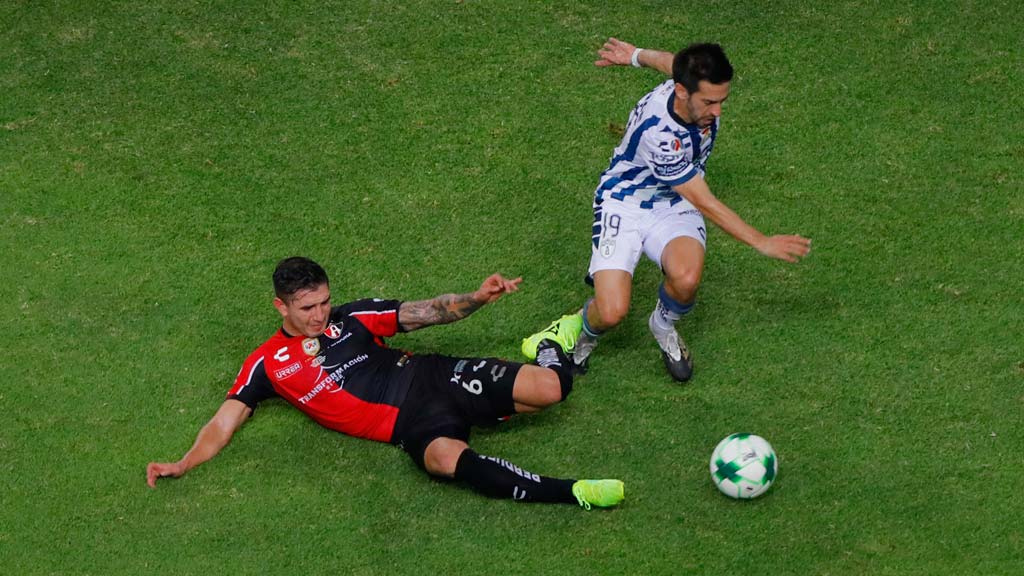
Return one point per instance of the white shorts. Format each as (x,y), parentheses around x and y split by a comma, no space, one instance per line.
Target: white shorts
(623,231)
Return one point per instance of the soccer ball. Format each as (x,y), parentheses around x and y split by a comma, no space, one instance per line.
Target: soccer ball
(743,466)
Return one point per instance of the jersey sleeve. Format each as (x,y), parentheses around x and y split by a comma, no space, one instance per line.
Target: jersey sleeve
(252,385)
(664,154)
(380,317)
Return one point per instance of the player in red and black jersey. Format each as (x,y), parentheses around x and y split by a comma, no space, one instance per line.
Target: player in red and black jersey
(332,363)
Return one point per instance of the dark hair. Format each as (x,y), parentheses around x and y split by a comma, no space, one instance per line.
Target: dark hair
(701,62)
(297,273)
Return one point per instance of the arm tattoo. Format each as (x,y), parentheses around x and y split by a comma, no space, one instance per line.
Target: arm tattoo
(444,309)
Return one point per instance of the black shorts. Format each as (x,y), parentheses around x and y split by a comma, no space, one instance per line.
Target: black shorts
(449,395)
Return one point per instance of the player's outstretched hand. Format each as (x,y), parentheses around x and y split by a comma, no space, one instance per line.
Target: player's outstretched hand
(156,470)
(790,248)
(494,287)
(615,52)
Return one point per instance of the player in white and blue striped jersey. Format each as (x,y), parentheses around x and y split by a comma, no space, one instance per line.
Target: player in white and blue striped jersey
(658,151)
(652,200)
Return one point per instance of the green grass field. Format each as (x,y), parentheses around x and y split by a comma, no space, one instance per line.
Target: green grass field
(157,160)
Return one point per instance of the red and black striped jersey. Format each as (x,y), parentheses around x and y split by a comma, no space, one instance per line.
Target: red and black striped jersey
(346,379)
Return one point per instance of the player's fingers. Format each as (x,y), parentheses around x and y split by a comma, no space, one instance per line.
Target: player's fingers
(795,255)
(152,475)
(624,47)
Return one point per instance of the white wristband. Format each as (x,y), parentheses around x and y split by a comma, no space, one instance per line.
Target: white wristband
(635,58)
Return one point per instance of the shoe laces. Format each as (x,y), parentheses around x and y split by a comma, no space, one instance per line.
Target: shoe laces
(671,346)
(577,491)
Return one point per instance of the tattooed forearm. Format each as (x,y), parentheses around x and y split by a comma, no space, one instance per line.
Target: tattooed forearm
(441,310)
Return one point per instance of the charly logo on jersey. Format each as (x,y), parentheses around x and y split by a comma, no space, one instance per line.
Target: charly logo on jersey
(311,346)
(334,331)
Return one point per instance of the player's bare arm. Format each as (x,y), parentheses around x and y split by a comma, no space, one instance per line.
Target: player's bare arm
(790,248)
(615,52)
(449,308)
(213,437)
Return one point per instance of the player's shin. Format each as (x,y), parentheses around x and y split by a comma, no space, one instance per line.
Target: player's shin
(587,340)
(499,478)
(668,311)
(662,324)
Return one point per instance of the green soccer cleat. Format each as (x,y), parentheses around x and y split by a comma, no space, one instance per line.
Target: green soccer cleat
(600,493)
(563,332)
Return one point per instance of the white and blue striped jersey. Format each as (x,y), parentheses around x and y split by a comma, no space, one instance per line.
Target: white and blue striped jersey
(659,150)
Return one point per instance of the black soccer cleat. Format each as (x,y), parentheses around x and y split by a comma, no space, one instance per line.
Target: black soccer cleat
(674,352)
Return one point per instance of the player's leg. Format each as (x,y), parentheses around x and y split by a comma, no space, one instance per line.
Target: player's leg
(617,246)
(610,304)
(455,393)
(537,387)
(682,261)
(488,390)
(499,478)
(613,290)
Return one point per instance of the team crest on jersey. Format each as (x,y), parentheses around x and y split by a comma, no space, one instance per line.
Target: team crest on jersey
(607,247)
(311,346)
(333,331)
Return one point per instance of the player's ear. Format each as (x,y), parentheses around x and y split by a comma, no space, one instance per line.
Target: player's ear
(681,93)
(281,307)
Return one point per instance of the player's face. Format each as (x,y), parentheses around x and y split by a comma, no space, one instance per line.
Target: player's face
(703,106)
(307,311)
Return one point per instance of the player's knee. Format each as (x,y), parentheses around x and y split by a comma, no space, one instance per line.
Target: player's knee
(442,457)
(549,389)
(612,312)
(684,284)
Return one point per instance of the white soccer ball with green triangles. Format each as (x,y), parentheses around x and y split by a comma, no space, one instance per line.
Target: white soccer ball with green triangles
(743,466)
